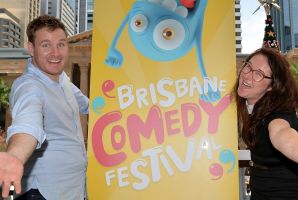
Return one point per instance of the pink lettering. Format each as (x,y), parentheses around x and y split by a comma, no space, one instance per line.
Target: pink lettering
(215,111)
(98,144)
(170,121)
(188,127)
(135,127)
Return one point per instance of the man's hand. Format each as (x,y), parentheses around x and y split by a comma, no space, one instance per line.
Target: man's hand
(11,172)
(19,149)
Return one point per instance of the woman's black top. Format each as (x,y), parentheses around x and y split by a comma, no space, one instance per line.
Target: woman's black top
(274,176)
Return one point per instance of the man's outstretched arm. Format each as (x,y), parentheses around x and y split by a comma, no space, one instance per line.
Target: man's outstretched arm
(19,149)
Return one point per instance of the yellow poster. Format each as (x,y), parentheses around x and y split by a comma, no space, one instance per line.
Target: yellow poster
(162,124)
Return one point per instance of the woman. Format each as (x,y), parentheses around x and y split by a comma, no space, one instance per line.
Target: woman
(266,94)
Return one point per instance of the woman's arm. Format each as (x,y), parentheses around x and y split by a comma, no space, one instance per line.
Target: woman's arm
(284,138)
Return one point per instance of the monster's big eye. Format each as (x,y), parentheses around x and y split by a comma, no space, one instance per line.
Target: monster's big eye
(168,34)
(139,23)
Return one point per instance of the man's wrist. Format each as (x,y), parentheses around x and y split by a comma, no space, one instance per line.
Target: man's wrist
(17,157)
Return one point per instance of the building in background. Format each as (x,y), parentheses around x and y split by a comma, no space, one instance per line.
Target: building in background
(32,9)
(286,24)
(238,29)
(25,11)
(10,30)
(84,10)
(81,10)
(90,11)
(63,10)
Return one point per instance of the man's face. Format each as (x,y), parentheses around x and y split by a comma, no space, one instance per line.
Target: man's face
(49,51)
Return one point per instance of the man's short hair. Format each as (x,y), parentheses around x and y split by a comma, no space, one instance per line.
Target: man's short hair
(44,21)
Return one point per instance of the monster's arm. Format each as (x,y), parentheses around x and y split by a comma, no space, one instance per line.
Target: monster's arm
(200,55)
(211,96)
(198,42)
(114,58)
(117,36)
(199,15)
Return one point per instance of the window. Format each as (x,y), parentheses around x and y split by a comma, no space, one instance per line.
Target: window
(4,29)
(4,22)
(4,36)
(296,40)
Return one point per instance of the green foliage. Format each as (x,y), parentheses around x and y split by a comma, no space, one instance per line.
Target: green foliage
(2,140)
(4,102)
(4,94)
(2,147)
(294,68)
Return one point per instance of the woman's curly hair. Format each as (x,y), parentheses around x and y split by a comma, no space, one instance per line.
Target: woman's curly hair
(282,97)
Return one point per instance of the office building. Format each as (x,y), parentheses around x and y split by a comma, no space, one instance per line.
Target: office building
(10,30)
(286,24)
(81,10)
(25,11)
(63,10)
(90,11)
(84,15)
(238,29)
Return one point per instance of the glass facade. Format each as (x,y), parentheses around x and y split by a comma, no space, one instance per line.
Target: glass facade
(90,11)
(294,16)
(85,13)
(286,23)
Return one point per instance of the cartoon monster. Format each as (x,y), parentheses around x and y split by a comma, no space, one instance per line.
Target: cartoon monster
(164,30)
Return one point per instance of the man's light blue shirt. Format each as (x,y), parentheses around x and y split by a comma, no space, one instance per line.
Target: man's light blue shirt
(50,112)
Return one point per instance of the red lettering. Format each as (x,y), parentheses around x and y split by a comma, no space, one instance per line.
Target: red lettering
(98,144)
(135,127)
(170,121)
(215,111)
(188,127)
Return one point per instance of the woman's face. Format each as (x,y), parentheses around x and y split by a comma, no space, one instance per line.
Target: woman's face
(254,79)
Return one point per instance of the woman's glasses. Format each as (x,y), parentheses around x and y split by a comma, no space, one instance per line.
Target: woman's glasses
(257,75)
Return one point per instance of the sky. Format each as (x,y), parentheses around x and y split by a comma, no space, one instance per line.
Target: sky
(252,25)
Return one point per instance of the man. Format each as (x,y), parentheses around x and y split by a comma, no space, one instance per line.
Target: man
(45,142)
